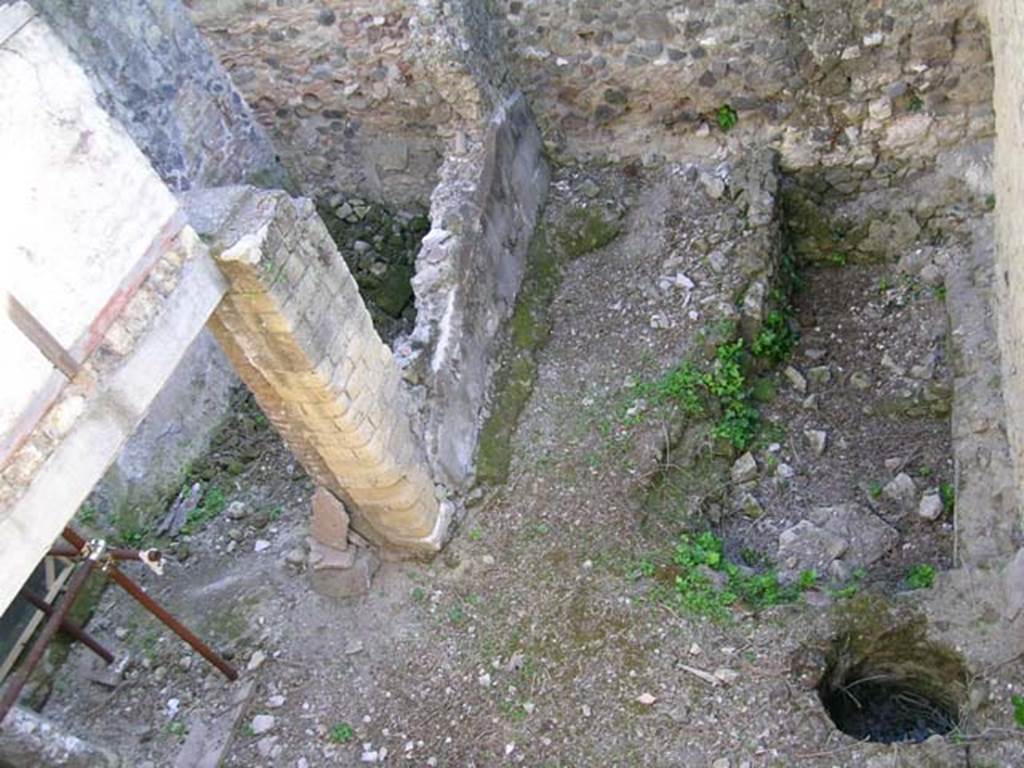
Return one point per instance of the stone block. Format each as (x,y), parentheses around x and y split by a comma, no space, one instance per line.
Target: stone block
(325,558)
(330,520)
(341,574)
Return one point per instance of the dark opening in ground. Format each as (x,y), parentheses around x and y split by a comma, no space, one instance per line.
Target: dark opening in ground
(886,711)
(379,246)
(892,686)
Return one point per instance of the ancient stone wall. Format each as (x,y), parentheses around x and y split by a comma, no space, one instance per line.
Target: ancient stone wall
(154,73)
(850,85)
(468,273)
(360,97)
(1006,18)
(832,84)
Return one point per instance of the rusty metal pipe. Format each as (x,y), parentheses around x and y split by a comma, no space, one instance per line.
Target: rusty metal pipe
(172,623)
(69,627)
(157,610)
(117,553)
(45,637)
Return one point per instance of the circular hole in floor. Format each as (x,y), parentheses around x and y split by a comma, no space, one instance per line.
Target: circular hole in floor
(892,686)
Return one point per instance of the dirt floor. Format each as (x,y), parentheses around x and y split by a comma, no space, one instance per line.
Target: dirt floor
(548,632)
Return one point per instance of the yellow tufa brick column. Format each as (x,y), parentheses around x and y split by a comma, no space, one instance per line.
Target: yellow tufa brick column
(297,332)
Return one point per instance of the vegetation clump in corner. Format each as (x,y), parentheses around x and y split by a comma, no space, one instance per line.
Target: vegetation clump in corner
(776,339)
(723,386)
(921,576)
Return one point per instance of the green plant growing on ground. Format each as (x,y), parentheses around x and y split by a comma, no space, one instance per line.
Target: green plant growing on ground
(874,489)
(696,592)
(213,504)
(131,532)
(456,615)
(852,587)
(808,579)
(775,341)
(836,258)
(1018,709)
(948,495)
(643,568)
(726,381)
(681,385)
(341,733)
(738,424)
(921,576)
(726,117)
(87,514)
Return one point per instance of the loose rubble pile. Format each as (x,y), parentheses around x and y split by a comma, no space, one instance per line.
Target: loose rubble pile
(854,481)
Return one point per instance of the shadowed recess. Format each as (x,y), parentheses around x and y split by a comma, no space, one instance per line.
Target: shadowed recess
(892,685)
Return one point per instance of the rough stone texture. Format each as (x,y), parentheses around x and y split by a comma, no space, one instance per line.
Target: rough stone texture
(136,314)
(330,520)
(834,541)
(1014,585)
(27,738)
(744,469)
(831,84)
(850,87)
(379,245)
(297,332)
(1006,19)
(342,574)
(209,737)
(359,96)
(468,274)
(902,492)
(153,72)
(987,502)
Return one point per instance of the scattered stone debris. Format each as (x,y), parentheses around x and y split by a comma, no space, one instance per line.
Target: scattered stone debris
(262,724)
(744,469)
(901,491)
(834,541)
(930,507)
(817,439)
(796,379)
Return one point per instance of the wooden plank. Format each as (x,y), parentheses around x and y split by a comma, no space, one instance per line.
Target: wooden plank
(41,338)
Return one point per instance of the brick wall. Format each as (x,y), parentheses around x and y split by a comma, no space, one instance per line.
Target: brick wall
(298,334)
